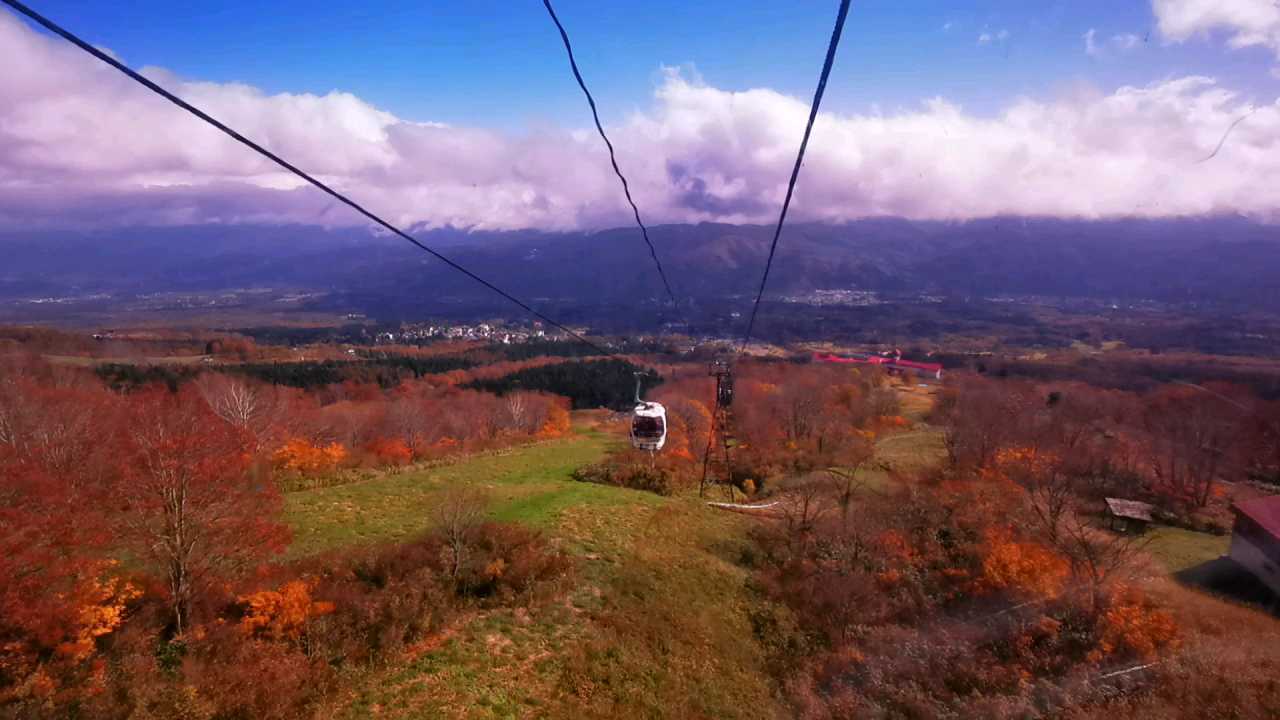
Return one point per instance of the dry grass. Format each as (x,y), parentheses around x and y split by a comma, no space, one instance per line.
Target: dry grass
(80,361)
(917,402)
(1228,665)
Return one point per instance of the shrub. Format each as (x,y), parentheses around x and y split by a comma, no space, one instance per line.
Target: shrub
(381,605)
(511,562)
(389,451)
(215,672)
(1024,568)
(282,614)
(249,679)
(635,476)
(1132,625)
(302,457)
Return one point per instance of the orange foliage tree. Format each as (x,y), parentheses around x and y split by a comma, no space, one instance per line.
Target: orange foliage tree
(284,614)
(1022,567)
(557,421)
(1131,624)
(303,457)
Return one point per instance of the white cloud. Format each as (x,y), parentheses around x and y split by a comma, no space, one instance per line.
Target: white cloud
(1125,41)
(79,143)
(987,38)
(1120,43)
(1245,23)
(1090,45)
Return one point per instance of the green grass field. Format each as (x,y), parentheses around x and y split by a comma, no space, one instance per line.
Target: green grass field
(1178,549)
(530,485)
(653,624)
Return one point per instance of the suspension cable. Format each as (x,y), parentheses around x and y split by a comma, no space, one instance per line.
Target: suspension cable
(795,171)
(157,89)
(613,160)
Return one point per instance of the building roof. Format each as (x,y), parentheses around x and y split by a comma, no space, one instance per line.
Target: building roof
(890,362)
(1132,509)
(1265,511)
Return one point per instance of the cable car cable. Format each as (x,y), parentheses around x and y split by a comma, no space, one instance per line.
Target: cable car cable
(626,189)
(720,404)
(795,171)
(653,416)
(157,89)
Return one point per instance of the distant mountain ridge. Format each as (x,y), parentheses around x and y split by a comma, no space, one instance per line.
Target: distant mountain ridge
(1226,259)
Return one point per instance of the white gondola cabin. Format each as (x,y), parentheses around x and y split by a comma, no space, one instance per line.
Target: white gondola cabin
(649,426)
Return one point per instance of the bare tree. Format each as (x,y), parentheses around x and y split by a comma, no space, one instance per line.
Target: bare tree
(982,417)
(1190,436)
(10,412)
(805,502)
(1096,556)
(800,407)
(458,516)
(1051,495)
(410,419)
(844,469)
(243,405)
(884,402)
(517,409)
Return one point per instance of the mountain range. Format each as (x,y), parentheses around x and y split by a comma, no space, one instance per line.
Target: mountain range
(1227,261)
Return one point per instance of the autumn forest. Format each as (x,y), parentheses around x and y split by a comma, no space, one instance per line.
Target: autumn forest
(170,535)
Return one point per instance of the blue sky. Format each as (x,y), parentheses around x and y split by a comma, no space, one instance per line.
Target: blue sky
(498,64)
(464,114)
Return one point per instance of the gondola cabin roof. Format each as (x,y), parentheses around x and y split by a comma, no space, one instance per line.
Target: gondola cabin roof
(650,409)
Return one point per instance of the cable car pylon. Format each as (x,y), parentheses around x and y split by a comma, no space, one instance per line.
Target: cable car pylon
(721,419)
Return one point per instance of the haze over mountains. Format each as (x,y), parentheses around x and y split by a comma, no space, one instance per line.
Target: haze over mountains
(1226,260)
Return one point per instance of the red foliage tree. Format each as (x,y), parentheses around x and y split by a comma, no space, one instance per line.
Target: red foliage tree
(188,505)
(1191,435)
(58,594)
(389,451)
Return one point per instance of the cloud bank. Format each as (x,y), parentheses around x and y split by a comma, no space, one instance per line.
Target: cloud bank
(1246,23)
(81,145)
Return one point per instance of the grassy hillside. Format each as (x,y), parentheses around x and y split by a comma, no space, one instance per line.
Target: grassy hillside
(1178,549)
(530,484)
(656,622)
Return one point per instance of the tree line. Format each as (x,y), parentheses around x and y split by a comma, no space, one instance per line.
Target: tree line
(141,536)
(384,370)
(608,383)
